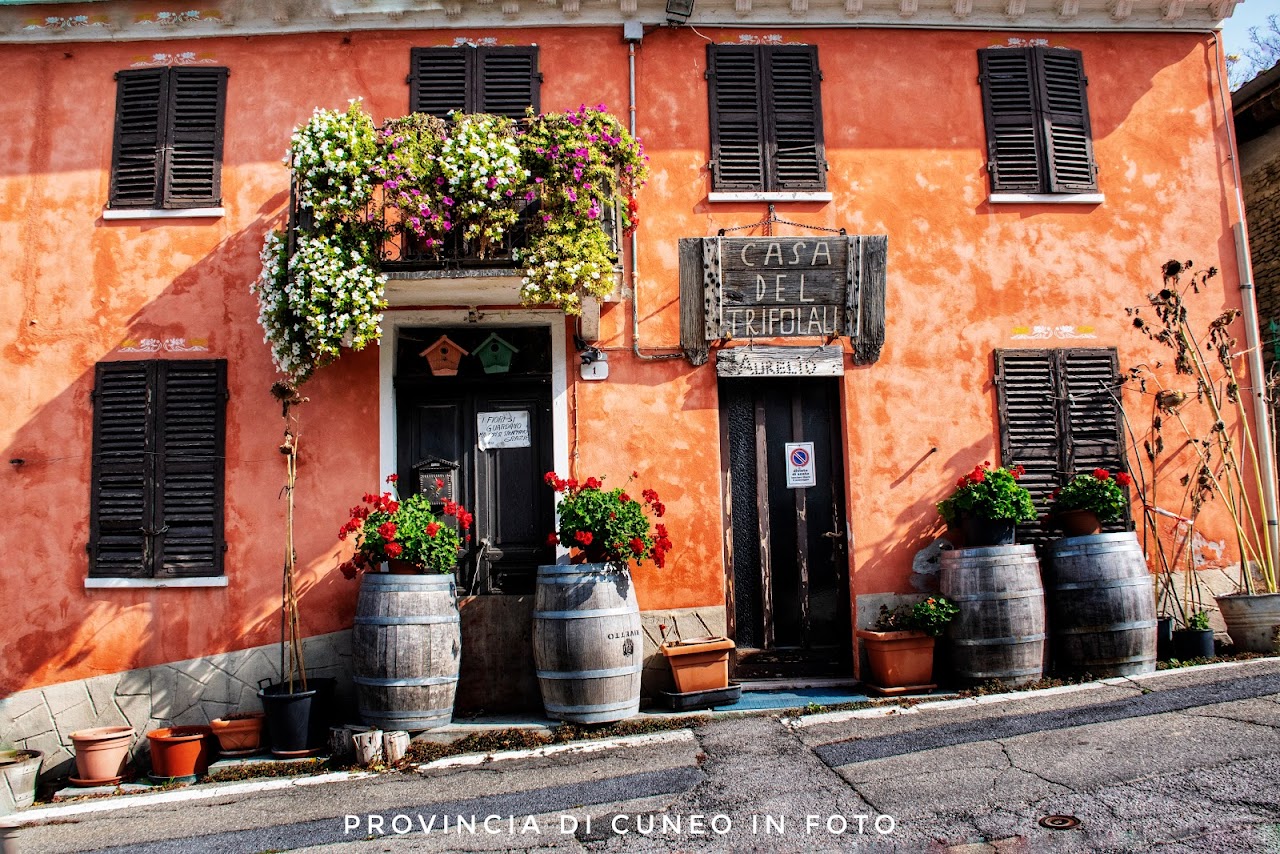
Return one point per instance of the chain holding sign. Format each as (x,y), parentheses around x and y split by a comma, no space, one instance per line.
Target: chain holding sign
(801,473)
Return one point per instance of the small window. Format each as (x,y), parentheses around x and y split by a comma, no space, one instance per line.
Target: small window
(168,139)
(499,80)
(766,118)
(1038,136)
(1060,416)
(157,487)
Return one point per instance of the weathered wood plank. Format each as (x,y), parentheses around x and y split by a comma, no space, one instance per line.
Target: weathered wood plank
(693,320)
(874,253)
(762,522)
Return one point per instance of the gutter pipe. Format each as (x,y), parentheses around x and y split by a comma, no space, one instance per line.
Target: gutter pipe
(1262,415)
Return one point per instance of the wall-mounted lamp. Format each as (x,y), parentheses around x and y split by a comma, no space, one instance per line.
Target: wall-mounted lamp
(678,11)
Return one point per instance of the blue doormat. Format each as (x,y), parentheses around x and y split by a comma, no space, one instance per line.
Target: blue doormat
(796,698)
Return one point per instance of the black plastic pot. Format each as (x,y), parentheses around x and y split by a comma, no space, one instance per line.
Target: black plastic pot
(1164,638)
(1193,643)
(289,718)
(981,532)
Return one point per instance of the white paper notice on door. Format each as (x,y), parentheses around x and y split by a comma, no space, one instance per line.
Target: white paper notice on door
(502,430)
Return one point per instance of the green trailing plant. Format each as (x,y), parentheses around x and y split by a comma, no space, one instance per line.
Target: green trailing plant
(355,183)
(1097,492)
(608,525)
(930,616)
(1225,467)
(991,494)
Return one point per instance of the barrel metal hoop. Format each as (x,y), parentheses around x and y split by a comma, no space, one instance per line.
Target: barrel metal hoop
(552,570)
(590,674)
(584,710)
(1109,662)
(414,682)
(582,614)
(996,597)
(1109,585)
(408,620)
(1109,627)
(1009,641)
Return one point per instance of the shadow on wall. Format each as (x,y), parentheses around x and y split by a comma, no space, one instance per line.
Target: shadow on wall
(63,631)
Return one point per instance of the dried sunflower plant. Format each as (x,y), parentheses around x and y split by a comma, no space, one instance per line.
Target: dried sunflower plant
(1224,462)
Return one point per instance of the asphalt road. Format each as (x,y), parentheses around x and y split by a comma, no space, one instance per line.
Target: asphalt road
(1185,760)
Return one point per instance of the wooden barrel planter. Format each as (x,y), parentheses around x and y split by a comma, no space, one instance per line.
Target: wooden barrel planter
(1102,615)
(406,648)
(587,643)
(1000,632)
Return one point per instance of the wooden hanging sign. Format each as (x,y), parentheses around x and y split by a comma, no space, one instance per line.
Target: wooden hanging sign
(783,287)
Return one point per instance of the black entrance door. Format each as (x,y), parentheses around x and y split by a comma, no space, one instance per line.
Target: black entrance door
(788,562)
(487,436)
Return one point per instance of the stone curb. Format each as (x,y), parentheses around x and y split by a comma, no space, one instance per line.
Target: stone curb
(217,790)
(962,702)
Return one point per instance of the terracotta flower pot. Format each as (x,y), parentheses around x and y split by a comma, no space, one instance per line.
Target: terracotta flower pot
(699,664)
(899,659)
(181,751)
(1078,523)
(239,733)
(101,754)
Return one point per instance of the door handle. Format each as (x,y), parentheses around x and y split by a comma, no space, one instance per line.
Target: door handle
(834,535)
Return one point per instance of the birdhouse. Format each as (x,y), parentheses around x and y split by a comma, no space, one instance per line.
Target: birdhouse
(443,357)
(495,354)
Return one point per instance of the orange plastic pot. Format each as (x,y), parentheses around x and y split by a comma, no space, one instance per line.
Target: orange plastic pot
(699,664)
(899,659)
(181,751)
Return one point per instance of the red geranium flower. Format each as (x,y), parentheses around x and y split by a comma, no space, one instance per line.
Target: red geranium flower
(552,540)
(1124,479)
(393,549)
(432,529)
(387,530)
(592,483)
(392,478)
(1101,474)
(584,537)
(637,545)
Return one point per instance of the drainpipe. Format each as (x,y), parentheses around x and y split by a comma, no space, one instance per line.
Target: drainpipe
(633,33)
(1262,414)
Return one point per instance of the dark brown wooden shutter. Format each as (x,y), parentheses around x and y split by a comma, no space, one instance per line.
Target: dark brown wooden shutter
(500,80)
(509,81)
(1094,436)
(794,116)
(191,438)
(193,151)
(1030,425)
(1065,117)
(438,80)
(1014,147)
(736,115)
(142,97)
(1059,416)
(123,479)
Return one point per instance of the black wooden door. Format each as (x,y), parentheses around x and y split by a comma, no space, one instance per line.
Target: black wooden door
(788,559)
(439,421)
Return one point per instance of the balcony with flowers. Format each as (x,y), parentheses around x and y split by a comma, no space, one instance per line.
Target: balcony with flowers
(486,209)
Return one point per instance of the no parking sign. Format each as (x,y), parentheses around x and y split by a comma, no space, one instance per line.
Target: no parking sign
(800,471)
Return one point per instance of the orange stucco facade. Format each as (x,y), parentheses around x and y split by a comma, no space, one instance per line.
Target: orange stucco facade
(905,142)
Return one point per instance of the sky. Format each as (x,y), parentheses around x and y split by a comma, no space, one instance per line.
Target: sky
(1250,13)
